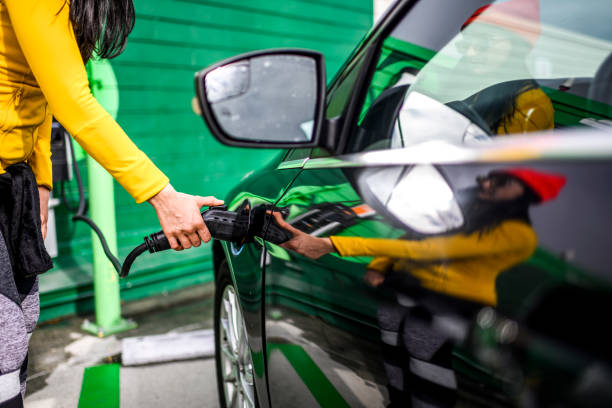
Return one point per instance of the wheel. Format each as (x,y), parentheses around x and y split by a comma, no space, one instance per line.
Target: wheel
(235,379)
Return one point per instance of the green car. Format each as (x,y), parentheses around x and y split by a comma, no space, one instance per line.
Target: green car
(445,201)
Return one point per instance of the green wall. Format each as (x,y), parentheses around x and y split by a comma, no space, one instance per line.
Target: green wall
(172,40)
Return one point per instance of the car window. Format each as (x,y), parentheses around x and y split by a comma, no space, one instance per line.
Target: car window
(341,90)
(485,69)
(297,154)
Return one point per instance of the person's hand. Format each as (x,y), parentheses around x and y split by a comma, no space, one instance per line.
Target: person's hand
(43,195)
(180,219)
(373,278)
(303,243)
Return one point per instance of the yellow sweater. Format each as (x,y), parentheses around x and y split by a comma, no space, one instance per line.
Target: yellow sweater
(460,265)
(42,72)
(534,112)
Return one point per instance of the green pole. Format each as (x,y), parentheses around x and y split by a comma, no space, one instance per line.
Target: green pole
(102,211)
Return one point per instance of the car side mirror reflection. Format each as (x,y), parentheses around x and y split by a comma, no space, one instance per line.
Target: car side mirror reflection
(418,198)
(269,98)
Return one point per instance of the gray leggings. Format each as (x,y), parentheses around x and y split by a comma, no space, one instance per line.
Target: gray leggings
(17,321)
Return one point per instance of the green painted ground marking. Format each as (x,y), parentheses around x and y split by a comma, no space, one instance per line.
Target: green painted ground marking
(319,385)
(100,387)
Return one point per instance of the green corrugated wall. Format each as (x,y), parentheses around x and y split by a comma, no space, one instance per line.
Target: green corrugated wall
(172,40)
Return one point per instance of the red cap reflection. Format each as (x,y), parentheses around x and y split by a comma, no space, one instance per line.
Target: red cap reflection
(519,16)
(546,185)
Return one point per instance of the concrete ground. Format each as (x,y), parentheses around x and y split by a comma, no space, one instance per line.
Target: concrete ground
(60,351)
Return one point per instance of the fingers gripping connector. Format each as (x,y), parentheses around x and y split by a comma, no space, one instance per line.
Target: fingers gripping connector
(238,226)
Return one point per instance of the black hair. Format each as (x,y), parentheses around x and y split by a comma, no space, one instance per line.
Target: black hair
(483,215)
(101,26)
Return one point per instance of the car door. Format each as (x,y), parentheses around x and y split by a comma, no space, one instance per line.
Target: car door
(320,319)
(311,362)
(477,323)
(261,187)
(321,324)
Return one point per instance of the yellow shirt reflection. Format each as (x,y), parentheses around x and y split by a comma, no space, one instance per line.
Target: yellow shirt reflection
(534,112)
(464,266)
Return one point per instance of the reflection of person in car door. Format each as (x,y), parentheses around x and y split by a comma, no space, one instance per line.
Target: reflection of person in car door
(496,221)
(496,236)
(464,264)
(495,42)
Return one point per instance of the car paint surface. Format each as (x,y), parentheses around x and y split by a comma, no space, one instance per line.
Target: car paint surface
(322,334)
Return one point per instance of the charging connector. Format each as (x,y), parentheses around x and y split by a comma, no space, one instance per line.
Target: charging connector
(238,226)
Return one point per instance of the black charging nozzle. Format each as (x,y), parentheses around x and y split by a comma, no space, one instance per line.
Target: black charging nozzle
(239,227)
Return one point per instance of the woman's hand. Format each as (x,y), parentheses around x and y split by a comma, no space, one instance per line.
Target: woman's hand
(303,243)
(373,278)
(180,219)
(43,195)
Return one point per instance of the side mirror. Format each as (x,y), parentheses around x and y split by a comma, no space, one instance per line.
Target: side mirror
(270,98)
(417,198)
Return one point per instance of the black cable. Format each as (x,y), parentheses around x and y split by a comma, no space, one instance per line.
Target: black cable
(112,258)
(127,264)
(153,243)
(65,199)
(221,225)
(82,211)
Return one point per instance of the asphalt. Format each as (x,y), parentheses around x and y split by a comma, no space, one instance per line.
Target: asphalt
(60,351)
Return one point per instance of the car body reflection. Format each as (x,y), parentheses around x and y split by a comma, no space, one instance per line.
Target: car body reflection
(450,226)
(414,300)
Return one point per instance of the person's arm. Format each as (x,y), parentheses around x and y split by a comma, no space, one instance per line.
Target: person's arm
(47,40)
(40,159)
(377,270)
(40,162)
(381,264)
(508,236)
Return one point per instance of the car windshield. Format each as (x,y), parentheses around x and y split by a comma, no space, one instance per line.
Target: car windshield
(476,69)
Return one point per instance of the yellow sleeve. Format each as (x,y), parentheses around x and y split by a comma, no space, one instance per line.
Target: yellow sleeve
(508,236)
(534,112)
(40,159)
(381,264)
(47,40)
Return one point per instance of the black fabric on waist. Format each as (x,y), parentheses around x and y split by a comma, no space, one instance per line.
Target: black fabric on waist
(20,222)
